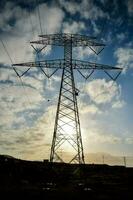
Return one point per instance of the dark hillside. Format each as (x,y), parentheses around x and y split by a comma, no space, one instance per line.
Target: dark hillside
(64,181)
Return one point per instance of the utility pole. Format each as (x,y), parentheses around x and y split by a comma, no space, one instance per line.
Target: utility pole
(67,124)
(103,159)
(124,160)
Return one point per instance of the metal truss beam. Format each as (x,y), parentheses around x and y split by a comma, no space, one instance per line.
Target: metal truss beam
(76,41)
(76,65)
(60,64)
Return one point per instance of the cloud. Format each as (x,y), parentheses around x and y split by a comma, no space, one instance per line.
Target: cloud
(25,21)
(129,140)
(9,12)
(130,7)
(51,18)
(121,36)
(104,158)
(124,57)
(71,7)
(118,104)
(15,98)
(26,130)
(20,102)
(34,83)
(73,27)
(83,52)
(30,143)
(96,30)
(86,9)
(25,28)
(97,135)
(14,35)
(88,109)
(102,91)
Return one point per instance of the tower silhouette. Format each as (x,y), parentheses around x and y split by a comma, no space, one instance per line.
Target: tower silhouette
(67,130)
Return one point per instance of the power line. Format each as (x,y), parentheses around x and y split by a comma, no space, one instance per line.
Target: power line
(6,51)
(39,17)
(30,18)
(19,78)
(8,55)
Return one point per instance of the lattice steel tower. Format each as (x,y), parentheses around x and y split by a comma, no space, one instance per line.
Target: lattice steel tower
(67,131)
(67,124)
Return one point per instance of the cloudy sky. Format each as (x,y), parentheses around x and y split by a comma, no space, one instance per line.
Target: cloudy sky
(27,110)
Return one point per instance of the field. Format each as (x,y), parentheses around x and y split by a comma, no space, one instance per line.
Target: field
(33,179)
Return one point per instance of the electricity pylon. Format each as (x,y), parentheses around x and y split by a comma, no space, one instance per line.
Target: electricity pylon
(67,124)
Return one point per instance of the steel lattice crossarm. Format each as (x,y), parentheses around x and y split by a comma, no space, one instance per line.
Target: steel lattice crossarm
(76,64)
(75,39)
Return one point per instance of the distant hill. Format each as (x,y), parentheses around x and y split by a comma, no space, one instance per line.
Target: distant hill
(101,158)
